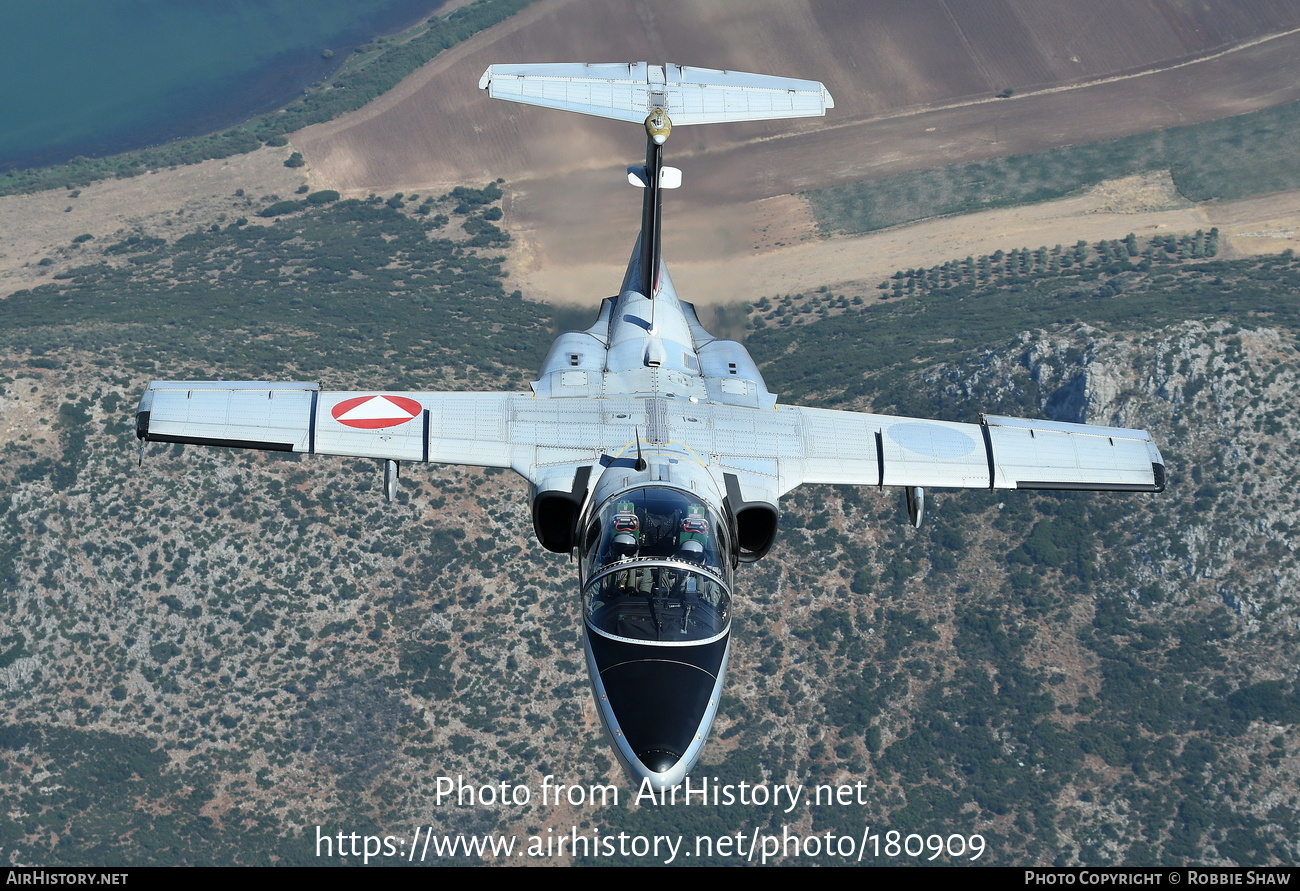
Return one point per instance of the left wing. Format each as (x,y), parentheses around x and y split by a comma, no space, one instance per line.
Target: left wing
(537,438)
(998,453)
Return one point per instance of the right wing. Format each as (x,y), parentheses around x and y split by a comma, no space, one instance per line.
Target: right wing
(449,428)
(538,438)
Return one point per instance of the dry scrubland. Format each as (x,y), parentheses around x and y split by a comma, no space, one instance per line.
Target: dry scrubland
(161,204)
(215,654)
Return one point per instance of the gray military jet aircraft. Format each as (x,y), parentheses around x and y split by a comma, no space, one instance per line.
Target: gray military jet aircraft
(651,447)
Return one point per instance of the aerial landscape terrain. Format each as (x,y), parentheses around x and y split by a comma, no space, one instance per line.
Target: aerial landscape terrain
(1029,208)
(93,80)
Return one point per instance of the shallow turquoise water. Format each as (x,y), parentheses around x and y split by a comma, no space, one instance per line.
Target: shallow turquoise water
(92,77)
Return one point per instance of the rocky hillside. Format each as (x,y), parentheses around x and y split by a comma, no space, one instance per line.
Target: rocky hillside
(206,658)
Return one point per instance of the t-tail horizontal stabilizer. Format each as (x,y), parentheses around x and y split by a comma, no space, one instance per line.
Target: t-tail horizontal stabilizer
(630,91)
(659,97)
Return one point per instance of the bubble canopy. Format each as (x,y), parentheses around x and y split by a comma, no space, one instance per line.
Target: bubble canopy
(656,568)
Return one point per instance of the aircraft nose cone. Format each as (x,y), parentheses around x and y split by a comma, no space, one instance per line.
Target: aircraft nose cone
(658,702)
(658,760)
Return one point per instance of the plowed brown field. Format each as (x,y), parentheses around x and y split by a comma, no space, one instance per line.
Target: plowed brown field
(878,58)
(914,84)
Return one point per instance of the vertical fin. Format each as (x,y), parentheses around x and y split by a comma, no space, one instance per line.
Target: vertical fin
(651,206)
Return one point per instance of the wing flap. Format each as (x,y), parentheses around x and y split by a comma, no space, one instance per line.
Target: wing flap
(470,428)
(852,448)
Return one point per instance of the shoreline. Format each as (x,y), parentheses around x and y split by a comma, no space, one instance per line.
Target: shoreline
(250,95)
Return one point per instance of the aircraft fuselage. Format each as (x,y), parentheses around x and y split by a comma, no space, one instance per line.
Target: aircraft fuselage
(652,448)
(655,541)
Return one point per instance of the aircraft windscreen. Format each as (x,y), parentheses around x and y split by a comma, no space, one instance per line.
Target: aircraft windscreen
(656,568)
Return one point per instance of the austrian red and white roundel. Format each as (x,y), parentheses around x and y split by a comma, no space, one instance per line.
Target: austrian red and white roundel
(374,412)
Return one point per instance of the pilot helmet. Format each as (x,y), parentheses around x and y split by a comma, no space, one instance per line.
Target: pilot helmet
(624,544)
(691,550)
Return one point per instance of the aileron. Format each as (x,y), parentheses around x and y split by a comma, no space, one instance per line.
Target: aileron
(252,414)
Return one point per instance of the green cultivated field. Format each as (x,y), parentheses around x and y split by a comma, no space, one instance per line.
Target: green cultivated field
(1250,154)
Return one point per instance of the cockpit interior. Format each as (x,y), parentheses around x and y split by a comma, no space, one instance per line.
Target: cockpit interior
(656,568)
